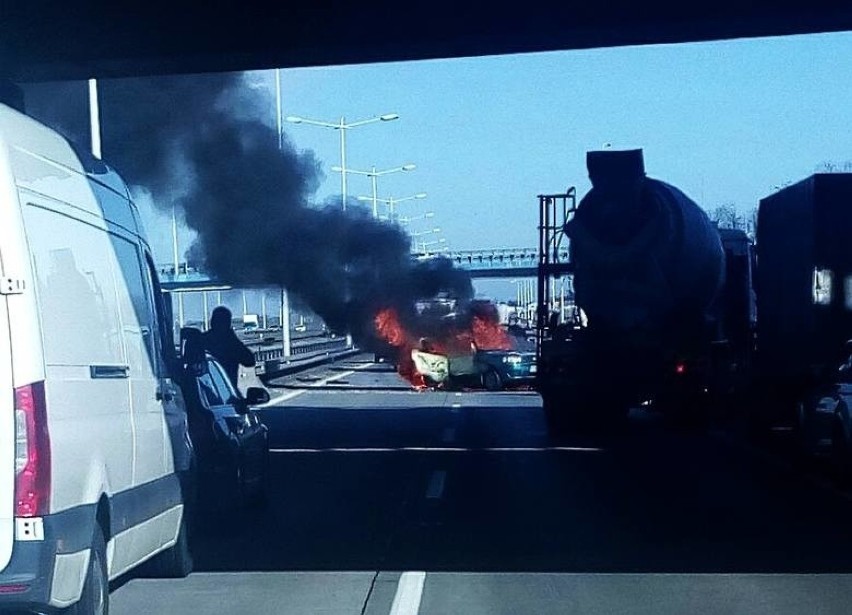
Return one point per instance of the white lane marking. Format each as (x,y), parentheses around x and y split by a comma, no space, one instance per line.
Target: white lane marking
(319,383)
(441,449)
(409,593)
(448,435)
(458,394)
(436,485)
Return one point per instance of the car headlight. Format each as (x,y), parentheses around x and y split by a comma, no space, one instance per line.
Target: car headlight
(512,359)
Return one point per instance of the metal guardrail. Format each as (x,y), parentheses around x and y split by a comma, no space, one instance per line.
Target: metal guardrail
(271,359)
(272,356)
(299,349)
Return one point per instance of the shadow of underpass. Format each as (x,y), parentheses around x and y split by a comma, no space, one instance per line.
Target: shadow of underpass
(382,489)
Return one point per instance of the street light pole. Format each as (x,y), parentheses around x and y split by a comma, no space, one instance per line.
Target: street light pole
(373,174)
(342,126)
(343,160)
(392,202)
(284,319)
(175,241)
(375,196)
(278,108)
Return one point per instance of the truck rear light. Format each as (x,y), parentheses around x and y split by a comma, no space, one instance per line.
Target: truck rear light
(32,452)
(680,368)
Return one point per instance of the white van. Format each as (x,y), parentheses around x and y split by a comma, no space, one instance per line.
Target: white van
(92,428)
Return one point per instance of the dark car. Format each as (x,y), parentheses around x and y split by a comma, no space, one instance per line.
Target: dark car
(387,354)
(505,368)
(231,444)
(824,422)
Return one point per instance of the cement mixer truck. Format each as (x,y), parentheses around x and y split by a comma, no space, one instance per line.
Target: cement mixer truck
(684,317)
(658,321)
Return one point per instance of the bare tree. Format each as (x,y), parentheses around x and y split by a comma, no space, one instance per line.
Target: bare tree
(829,166)
(727,216)
(751,224)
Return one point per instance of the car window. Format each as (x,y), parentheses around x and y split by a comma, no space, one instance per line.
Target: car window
(223,384)
(208,391)
(137,309)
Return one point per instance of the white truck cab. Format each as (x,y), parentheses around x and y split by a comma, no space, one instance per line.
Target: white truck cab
(92,427)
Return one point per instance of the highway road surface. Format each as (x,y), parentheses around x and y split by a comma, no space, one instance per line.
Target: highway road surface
(387,501)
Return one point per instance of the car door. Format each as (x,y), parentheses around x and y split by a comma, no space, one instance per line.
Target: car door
(151,457)
(844,393)
(210,432)
(247,431)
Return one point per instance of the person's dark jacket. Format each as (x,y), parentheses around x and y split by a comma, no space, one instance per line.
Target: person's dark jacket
(226,348)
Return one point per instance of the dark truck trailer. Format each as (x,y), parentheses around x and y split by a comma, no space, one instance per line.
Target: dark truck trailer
(804,291)
(648,271)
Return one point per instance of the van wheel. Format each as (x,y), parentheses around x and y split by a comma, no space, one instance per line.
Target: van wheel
(491,381)
(95,597)
(176,561)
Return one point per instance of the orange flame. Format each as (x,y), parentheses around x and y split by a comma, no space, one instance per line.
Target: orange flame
(490,336)
(485,333)
(389,327)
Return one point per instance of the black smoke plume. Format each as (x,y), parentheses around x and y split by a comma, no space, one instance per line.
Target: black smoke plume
(206,144)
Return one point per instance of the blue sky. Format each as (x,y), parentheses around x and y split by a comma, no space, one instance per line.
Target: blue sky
(724,121)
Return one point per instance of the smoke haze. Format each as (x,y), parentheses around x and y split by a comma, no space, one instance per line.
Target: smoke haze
(206,144)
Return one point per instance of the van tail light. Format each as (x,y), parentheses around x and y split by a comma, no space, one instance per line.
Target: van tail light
(32,452)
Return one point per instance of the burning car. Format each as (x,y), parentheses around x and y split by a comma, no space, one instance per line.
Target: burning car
(457,346)
(493,370)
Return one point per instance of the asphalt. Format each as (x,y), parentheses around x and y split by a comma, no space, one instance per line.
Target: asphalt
(390,501)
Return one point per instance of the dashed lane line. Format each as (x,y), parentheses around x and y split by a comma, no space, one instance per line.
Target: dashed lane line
(409,593)
(319,383)
(439,449)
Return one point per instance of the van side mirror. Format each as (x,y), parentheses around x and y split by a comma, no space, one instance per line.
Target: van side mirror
(256,396)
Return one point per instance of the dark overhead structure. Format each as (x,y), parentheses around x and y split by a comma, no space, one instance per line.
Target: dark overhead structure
(70,40)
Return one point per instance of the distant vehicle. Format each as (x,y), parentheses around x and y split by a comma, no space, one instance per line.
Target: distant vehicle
(493,370)
(300,328)
(250,322)
(231,444)
(503,368)
(387,354)
(824,422)
(96,458)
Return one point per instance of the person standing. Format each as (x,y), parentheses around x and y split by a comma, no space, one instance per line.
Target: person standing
(222,342)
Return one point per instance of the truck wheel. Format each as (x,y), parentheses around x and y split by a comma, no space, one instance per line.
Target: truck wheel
(491,380)
(840,457)
(554,417)
(95,597)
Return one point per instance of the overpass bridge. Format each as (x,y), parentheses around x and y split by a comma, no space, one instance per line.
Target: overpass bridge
(492,263)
